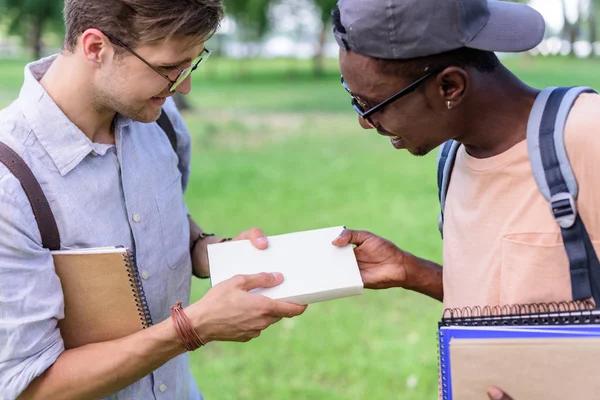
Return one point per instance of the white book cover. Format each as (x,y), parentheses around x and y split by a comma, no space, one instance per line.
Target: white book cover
(314,270)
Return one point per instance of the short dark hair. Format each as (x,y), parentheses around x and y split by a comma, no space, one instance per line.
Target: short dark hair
(483,61)
(137,22)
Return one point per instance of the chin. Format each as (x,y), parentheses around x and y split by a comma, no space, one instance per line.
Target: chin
(418,151)
(146,115)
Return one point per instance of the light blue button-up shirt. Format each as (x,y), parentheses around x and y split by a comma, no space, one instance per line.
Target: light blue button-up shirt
(129,194)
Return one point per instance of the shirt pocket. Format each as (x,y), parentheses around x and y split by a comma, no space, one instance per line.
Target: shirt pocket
(535,269)
(174,224)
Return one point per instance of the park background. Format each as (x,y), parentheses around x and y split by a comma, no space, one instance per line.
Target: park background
(277,145)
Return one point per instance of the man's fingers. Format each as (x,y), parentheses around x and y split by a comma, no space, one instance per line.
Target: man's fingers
(256,236)
(286,310)
(351,236)
(495,393)
(262,280)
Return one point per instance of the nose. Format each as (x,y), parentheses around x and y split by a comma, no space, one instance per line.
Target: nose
(186,86)
(364,123)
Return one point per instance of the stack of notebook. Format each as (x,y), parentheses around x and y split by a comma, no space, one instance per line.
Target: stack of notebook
(537,352)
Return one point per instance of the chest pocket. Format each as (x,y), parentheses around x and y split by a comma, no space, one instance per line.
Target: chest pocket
(535,269)
(174,225)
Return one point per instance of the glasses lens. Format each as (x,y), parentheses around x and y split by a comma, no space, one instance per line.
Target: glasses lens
(184,74)
(370,122)
(360,108)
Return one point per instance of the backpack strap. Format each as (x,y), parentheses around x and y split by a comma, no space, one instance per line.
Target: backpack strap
(555,179)
(165,123)
(445,163)
(37,199)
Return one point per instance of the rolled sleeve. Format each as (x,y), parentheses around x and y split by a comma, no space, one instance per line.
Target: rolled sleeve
(31,300)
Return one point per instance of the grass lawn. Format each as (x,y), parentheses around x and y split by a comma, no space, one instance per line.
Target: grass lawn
(276,148)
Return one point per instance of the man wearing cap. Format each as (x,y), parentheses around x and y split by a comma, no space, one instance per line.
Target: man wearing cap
(423,72)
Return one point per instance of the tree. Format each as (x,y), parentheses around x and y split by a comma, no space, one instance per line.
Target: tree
(31,18)
(252,16)
(594,8)
(325,6)
(252,20)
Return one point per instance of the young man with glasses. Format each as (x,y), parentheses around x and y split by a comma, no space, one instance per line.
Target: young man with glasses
(422,72)
(84,123)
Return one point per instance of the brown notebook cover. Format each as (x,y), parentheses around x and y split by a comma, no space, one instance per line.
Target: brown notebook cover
(528,368)
(104,297)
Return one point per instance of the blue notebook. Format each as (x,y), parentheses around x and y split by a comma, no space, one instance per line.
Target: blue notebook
(550,323)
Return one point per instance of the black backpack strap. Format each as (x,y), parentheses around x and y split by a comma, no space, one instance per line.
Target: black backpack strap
(555,179)
(445,163)
(165,123)
(39,204)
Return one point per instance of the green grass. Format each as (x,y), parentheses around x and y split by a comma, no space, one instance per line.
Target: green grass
(279,149)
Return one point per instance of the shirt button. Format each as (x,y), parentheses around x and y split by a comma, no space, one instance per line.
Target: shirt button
(94,153)
(162,388)
(136,218)
(145,275)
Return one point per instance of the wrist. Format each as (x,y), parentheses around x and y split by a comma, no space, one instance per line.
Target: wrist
(424,277)
(186,332)
(412,272)
(200,320)
(199,254)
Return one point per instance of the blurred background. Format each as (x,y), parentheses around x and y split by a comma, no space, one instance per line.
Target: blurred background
(277,145)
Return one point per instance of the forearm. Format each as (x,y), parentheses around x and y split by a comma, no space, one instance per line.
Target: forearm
(424,276)
(198,249)
(101,369)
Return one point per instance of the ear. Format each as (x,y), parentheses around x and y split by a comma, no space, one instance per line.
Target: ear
(95,46)
(451,86)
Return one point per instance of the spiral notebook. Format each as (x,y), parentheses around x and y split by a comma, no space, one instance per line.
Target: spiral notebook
(103,294)
(531,351)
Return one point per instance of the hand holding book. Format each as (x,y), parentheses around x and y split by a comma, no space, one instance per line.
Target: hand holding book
(381,263)
(228,312)
(199,252)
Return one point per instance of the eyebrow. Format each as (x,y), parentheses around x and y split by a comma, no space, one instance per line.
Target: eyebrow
(187,60)
(370,101)
(173,65)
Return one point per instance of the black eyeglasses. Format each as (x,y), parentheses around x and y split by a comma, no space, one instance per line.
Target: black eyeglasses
(360,106)
(183,74)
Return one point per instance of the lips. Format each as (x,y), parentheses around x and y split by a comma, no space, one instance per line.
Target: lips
(159,100)
(398,143)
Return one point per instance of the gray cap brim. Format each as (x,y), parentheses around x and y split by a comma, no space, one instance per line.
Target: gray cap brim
(511,28)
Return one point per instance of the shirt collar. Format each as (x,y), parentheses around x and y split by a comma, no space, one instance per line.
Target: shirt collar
(64,142)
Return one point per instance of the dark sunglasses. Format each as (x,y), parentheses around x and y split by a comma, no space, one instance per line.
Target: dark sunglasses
(360,106)
(183,74)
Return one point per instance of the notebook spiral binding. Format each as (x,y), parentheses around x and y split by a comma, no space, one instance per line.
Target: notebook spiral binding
(559,313)
(442,357)
(138,290)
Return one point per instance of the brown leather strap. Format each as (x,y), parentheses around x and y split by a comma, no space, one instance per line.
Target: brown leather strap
(186,332)
(37,199)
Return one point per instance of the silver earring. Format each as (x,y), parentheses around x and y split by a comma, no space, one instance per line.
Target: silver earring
(449,104)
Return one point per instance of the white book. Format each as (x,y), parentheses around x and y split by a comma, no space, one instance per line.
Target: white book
(314,270)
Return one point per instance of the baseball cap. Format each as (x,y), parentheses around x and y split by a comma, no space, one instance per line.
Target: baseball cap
(404,29)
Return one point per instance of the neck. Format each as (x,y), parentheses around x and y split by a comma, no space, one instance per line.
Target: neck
(70,87)
(498,118)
